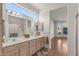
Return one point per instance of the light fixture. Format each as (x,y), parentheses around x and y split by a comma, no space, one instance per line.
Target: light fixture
(9,11)
(14,13)
(18,14)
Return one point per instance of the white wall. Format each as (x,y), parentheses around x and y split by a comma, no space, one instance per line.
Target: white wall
(71,13)
(44,17)
(51,32)
(51,29)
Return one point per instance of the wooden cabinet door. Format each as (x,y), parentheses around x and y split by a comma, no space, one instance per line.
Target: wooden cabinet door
(23,51)
(11,50)
(12,53)
(38,44)
(23,47)
(32,47)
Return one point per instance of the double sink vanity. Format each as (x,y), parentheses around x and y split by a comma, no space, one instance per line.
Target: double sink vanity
(24,47)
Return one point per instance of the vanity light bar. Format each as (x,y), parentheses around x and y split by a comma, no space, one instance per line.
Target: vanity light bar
(13,13)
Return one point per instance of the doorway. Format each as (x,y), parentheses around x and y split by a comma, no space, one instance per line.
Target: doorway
(59,30)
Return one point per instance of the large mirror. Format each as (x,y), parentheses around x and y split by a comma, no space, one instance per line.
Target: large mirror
(17,22)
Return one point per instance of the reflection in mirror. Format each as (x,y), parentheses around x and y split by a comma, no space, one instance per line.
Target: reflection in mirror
(18,22)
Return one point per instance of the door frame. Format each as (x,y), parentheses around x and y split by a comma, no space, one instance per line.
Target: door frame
(76,34)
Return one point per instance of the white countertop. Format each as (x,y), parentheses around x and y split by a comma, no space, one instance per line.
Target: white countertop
(19,41)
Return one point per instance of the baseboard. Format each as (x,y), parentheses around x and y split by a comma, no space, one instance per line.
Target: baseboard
(60,38)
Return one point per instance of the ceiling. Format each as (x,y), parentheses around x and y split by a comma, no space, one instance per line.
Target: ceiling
(47,6)
(58,11)
(59,14)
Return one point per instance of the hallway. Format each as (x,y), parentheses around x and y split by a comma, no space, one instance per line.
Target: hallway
(59,47)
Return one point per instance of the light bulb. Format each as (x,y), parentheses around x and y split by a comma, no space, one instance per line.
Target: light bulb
(9,11)
(17,14)
(14,13)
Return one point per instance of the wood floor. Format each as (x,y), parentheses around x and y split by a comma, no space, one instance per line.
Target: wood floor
(59,47)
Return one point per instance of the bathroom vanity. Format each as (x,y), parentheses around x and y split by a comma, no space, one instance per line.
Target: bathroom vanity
(25,47)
